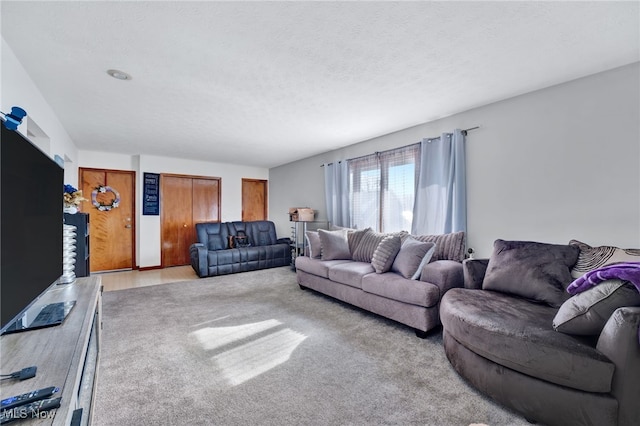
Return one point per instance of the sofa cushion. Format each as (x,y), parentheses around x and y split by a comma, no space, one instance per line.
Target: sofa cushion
(591,258)
(396,287)
(213,234)
(313,244)
(587,312)
(334,244)
(448,246)
(385,253)
(316,266)
(533,270)
(350,273)
(517,334)
(413,255)
(261,232)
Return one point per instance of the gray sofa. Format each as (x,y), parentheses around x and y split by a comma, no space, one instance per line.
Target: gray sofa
(353,279)
(212,254)
(555,358)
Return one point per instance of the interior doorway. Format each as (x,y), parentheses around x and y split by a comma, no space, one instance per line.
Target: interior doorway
(254,199)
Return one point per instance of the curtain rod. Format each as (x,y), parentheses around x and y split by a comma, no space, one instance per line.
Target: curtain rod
(464,132)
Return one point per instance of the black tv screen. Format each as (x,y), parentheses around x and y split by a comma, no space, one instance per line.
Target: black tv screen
(31,220)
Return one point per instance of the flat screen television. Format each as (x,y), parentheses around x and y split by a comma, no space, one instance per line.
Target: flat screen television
(31,220)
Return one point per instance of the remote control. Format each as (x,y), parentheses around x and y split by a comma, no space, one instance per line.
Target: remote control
(29,411)
(25,398)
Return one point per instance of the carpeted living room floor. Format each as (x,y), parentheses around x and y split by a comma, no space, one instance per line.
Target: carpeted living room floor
(254,349)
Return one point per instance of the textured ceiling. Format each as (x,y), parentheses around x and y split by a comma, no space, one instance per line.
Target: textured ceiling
(266,83)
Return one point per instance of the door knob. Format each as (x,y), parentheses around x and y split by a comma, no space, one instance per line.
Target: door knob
(127,226)
(184,226)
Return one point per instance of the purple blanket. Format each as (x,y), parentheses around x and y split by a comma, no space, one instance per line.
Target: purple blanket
(629,271)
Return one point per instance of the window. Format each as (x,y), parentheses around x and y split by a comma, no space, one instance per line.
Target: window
(382,189)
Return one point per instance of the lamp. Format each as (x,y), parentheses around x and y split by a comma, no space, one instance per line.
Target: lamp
(13,120)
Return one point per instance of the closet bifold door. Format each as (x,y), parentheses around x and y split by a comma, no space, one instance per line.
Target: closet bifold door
(185,200)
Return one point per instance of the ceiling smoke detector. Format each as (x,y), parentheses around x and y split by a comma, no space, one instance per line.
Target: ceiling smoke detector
(120,75)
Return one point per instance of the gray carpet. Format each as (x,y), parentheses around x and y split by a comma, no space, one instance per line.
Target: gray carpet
(254,349)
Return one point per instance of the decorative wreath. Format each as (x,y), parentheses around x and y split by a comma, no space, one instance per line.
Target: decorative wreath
(105,207)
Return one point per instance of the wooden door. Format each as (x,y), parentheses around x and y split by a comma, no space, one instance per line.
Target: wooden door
(254,199)
(111,227)
(177,232)
(206,200)
(185,200)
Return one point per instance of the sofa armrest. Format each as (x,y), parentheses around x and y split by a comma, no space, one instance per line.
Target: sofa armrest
(474,270)
(446,274)
(283,241)
(620,342)
(198,254)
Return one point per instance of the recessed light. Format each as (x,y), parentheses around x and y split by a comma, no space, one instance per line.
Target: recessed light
(120,75)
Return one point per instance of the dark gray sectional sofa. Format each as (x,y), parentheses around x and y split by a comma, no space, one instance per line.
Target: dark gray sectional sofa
(516,334)
(212,255)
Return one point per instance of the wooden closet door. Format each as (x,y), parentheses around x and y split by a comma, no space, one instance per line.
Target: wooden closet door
(178,232)
(206,200)
(185,201)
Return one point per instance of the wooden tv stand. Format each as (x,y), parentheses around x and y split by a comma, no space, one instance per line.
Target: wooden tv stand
(66,355)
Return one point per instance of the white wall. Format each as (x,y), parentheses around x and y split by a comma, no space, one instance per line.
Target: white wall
(17,89)
(148,227)
(553,165)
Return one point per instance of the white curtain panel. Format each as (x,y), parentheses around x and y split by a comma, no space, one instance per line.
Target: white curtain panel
(441,196)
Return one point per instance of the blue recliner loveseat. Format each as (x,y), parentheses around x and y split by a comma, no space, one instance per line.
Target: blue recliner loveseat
(212,254)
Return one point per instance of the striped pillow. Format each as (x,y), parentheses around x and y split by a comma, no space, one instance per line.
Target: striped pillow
(354,237)
(448,246)
(591,258)
(385,253)
(369,243)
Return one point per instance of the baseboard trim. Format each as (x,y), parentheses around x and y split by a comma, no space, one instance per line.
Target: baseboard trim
(149,268)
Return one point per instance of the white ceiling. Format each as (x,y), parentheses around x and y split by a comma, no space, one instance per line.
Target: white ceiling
(267,83)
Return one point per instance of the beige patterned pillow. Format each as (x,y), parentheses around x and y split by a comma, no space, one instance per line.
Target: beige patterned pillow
(591,258)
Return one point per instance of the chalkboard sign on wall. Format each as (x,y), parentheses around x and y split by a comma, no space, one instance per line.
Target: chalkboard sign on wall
(151,194)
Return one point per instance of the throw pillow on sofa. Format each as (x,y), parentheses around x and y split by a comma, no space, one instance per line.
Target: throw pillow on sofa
(385,253)
(355,236)
(334,244)
(314,245)
(532,270)
(587,312)
(368,244)
(411,258)
(591,258)
(448,246)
